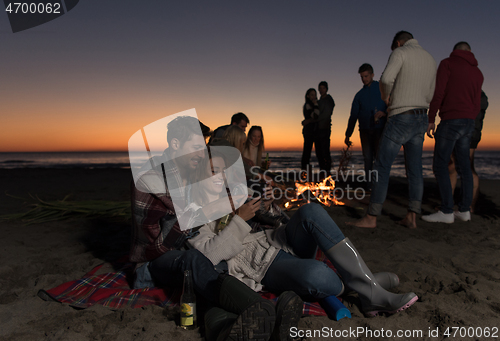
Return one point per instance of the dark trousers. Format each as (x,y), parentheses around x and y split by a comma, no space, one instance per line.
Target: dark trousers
(309,138)
(322,143)
(168,270)
(370,139)
(453,135)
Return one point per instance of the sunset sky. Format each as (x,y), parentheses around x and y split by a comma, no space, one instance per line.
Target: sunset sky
(87,81)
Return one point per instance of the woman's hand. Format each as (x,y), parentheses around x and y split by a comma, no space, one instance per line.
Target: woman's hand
(249,162)
(247,211)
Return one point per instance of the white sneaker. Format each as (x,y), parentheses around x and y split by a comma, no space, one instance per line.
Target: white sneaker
(439,217)
(463,216)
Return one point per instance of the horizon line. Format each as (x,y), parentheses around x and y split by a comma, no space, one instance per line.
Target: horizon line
(333,149)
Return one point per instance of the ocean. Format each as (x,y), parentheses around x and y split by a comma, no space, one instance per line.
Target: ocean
(487,163)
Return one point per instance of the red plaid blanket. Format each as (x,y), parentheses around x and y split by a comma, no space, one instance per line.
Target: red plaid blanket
(113,290)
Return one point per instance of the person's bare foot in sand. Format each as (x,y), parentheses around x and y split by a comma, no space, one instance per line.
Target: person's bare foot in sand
(410,220)
(367,222)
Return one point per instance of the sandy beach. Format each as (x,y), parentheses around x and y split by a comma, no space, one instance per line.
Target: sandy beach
(454,269)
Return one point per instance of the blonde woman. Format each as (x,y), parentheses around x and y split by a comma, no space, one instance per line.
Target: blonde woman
(236,137)
(254,145)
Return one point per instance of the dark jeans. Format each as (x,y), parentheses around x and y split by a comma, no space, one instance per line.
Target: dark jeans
(168,270)
(322,143)
(309,228)
(370,139)
(309,138)
(453,135)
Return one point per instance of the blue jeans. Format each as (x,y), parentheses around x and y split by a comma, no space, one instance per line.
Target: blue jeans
(370,139)
(309,228)
(407,130)
(452,135)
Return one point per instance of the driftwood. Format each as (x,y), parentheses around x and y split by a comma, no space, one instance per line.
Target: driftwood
(345,158)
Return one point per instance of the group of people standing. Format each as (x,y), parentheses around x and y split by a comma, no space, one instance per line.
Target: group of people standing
(398,111)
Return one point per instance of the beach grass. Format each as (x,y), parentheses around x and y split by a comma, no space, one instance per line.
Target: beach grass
(46,211)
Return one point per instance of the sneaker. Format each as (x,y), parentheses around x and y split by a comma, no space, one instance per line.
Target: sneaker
(439,217)
(463,216)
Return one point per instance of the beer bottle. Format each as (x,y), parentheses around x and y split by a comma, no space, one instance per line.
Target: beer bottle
(223,222)
(266,162)
(188,303)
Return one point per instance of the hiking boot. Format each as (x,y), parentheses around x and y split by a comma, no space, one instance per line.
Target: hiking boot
(256,315)
(288,313)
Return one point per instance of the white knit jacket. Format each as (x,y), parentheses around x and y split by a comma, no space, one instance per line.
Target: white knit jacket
(248,255)
(409,78)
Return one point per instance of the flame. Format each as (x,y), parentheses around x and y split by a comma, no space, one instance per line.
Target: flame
(323,192)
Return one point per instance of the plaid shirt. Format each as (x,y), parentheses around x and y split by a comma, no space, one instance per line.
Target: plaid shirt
(155,226)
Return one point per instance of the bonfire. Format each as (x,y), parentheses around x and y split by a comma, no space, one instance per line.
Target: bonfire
(323,192)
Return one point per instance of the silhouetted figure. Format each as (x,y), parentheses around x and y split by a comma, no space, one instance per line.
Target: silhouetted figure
(369,110)
(310,111)
(322,142)
(239,119)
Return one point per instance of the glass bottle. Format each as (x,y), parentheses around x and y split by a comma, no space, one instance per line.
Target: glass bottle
(266,162)
(223,222)
(188,303)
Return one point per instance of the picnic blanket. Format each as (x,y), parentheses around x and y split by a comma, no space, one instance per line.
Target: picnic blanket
(113,290)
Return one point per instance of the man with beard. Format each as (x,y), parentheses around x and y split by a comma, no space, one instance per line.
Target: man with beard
(160,199)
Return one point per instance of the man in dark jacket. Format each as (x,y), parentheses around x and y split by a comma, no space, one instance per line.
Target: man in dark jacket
(322,143)
(370,110)
(239,119)
(458,98)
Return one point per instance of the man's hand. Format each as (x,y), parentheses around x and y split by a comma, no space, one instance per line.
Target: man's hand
(306,122)
(347,141)
(430,130)
(379,115)
(247,211)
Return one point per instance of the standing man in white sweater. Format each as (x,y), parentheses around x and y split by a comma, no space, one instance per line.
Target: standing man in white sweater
(407,86)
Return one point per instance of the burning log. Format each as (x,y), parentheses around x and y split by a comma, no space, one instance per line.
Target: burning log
(323,192)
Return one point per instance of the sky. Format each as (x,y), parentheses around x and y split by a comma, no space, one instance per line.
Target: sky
(88,80)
